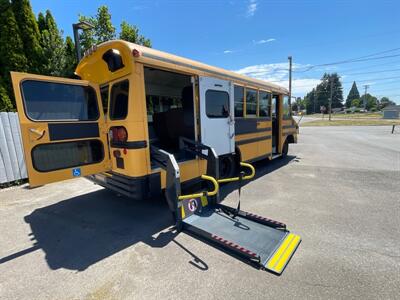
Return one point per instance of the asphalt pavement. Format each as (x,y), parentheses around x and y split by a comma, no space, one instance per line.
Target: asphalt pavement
(339,189)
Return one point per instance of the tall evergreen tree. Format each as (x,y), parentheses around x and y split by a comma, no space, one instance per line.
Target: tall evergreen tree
(70,57)
(52,45)
(353,94)
(5,101)
(12,56)
(30,34)
(41,22)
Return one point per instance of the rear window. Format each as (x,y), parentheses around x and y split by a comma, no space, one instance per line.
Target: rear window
(47,101)
(119,100)
(217,104)
(50,157)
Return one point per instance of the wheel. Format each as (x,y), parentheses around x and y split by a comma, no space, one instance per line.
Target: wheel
(285,149)
(226,166)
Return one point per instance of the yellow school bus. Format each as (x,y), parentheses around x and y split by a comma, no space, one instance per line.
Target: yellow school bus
(128,98)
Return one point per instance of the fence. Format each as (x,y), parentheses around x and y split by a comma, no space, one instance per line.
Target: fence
(12,163)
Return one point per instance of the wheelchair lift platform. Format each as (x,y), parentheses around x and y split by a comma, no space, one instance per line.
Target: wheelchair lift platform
(260,241)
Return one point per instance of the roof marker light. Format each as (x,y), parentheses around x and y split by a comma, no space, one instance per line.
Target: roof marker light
(136,53)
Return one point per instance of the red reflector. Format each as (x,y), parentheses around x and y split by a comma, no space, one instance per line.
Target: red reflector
(125,151)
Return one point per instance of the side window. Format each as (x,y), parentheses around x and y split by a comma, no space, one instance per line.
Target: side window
(239,101)
(47,101)
(251,103)
(264,104)
(104,97)
(217,104)
(119,100)
(286,107)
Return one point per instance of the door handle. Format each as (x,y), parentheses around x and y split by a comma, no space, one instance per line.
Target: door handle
(39,133)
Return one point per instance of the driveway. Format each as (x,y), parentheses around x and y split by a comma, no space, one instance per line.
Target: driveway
(339,189)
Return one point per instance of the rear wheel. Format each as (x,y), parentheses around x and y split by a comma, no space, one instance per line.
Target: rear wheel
(285,149)
(226,166)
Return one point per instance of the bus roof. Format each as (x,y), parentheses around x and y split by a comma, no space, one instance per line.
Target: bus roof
(150,54)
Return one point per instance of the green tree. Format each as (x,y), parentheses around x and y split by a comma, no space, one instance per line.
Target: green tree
(12,56)
(355,103)
(131,34)
(70,57)
(353,94)
(320,95)
(385,101)
(104,30)
(29,33)
(53,47)
(370,101)
(41,22)
(5,101)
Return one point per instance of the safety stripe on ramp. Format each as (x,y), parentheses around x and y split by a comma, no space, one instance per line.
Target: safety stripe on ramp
(279,260)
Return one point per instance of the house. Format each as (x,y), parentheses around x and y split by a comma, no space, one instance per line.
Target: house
(391,112)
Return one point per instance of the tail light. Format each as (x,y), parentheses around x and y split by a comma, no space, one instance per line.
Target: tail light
(118,134)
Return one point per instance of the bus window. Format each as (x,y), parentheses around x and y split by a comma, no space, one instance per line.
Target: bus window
(119,100)
(239,101)
(264,104)
(251,103)
(46,101)
(217,104)
(104,97)
(286,107)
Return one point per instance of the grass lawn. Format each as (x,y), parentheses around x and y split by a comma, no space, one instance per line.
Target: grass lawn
(372,115)
(351,122)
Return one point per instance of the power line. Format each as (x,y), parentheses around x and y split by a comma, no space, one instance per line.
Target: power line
(373,72)
(347,61)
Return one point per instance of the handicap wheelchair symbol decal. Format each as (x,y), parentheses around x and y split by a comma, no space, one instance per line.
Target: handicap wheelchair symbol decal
(76,172)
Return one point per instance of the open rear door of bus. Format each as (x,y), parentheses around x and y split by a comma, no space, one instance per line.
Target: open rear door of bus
(62,127)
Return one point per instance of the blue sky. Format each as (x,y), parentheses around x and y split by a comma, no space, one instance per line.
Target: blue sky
(254,37)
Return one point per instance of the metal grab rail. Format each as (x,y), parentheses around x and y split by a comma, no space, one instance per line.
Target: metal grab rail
(207,193)
(247,177)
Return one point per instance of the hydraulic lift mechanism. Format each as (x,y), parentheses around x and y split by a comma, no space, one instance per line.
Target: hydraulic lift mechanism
(260,241)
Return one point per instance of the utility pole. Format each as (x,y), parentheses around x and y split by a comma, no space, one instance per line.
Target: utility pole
(330,99)
(290,77)
(315,99)
(365,96)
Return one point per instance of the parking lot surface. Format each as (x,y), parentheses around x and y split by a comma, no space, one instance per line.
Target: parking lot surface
(339,189)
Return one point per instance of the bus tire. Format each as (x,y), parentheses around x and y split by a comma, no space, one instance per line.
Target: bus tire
(285,149)
(226,166)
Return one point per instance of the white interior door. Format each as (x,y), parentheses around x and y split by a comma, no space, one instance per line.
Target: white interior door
(216,114)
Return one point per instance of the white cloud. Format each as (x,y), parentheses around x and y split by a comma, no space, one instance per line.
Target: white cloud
(264,41)
(278,74)
(228,51)
(251,8)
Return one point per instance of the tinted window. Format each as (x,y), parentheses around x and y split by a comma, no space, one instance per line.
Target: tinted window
(239,101)
(104,97)
(264,104)
(286,106)
(217,104)
(251,103)
(59,101)
(119,100)
(50,157)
